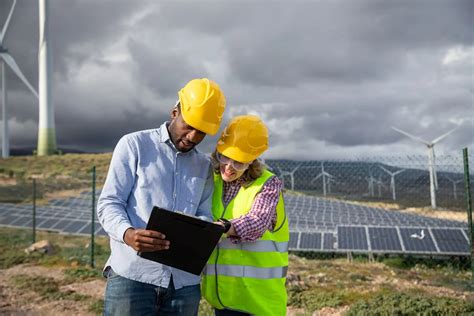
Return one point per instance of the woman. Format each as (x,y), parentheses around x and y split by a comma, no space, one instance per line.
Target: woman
(247,271)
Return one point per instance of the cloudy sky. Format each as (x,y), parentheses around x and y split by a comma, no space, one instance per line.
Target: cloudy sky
(328,77)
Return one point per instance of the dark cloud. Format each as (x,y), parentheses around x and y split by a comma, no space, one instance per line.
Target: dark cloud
(331,75)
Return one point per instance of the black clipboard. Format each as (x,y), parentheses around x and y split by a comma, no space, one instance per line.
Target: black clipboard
(192,240)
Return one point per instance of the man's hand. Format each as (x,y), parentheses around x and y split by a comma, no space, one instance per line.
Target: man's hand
(145,240)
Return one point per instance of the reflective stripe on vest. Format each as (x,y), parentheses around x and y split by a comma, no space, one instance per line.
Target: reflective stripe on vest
(257,246)
(246,271)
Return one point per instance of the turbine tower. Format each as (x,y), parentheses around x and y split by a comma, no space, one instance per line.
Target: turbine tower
(431,160)
(46,128)
(7,59)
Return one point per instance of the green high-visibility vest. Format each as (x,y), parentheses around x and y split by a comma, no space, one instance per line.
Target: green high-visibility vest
(250,276)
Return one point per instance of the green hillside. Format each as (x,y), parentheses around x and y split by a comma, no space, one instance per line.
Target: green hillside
(52,173)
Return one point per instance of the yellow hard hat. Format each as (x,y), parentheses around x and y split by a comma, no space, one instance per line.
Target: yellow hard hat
(202,105)
(244,139)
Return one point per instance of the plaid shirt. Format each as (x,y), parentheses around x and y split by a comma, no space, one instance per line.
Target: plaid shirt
(262,215)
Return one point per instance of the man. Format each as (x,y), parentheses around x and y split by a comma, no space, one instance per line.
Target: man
(158,167)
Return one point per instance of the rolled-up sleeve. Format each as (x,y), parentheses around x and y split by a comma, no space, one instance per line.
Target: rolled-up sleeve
(262,216)
(111,206)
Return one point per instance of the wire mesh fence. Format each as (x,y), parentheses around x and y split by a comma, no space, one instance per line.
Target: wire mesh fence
(404,180)
(65,196)
(409,181)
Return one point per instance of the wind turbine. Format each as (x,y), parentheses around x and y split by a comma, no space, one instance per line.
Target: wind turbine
(325,178)
(454,182)
(7,59)
(392,180)
(46,127)
(431,159)
(291,174)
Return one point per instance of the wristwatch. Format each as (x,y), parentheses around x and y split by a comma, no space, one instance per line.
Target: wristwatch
(227,224)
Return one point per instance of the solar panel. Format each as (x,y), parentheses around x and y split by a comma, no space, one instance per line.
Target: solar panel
(86,229)
(293,244)
(47,224)
(417,240)
(329,241)
(310,241)
(352,238)
(101,232)
(384,239)
(9,219)
(75,226)
(450,240)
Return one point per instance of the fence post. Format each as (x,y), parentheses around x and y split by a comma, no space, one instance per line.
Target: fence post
(34,211)
(467,186)
(93,218)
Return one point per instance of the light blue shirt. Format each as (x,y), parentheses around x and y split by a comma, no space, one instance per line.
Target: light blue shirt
(147,170)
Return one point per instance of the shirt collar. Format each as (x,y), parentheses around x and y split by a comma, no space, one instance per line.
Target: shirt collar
(164,135)
(237,182)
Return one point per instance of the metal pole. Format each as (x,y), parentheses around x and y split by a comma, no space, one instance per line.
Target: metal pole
(5,137)
(467,186)
(34,210)
(93,217)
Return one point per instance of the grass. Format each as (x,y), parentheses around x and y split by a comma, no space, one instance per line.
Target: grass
(69,251)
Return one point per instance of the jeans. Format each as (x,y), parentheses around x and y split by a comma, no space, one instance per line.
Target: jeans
(128,297)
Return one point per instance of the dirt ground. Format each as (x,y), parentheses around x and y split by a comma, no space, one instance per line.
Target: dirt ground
(17,302)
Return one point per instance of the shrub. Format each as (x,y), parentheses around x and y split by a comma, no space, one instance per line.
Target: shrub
(403,304)
(314,299)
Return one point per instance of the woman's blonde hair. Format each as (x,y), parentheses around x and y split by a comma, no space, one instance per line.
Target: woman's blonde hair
(253,172)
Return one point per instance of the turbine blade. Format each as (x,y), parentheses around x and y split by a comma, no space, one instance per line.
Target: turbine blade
(444,135)
(385,170)
(418,139)
(399,171)
(11,62)
(7,22)
(296,168)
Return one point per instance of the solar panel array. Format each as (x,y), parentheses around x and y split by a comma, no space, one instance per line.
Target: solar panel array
(71,215)
(325,225)
(316,224)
